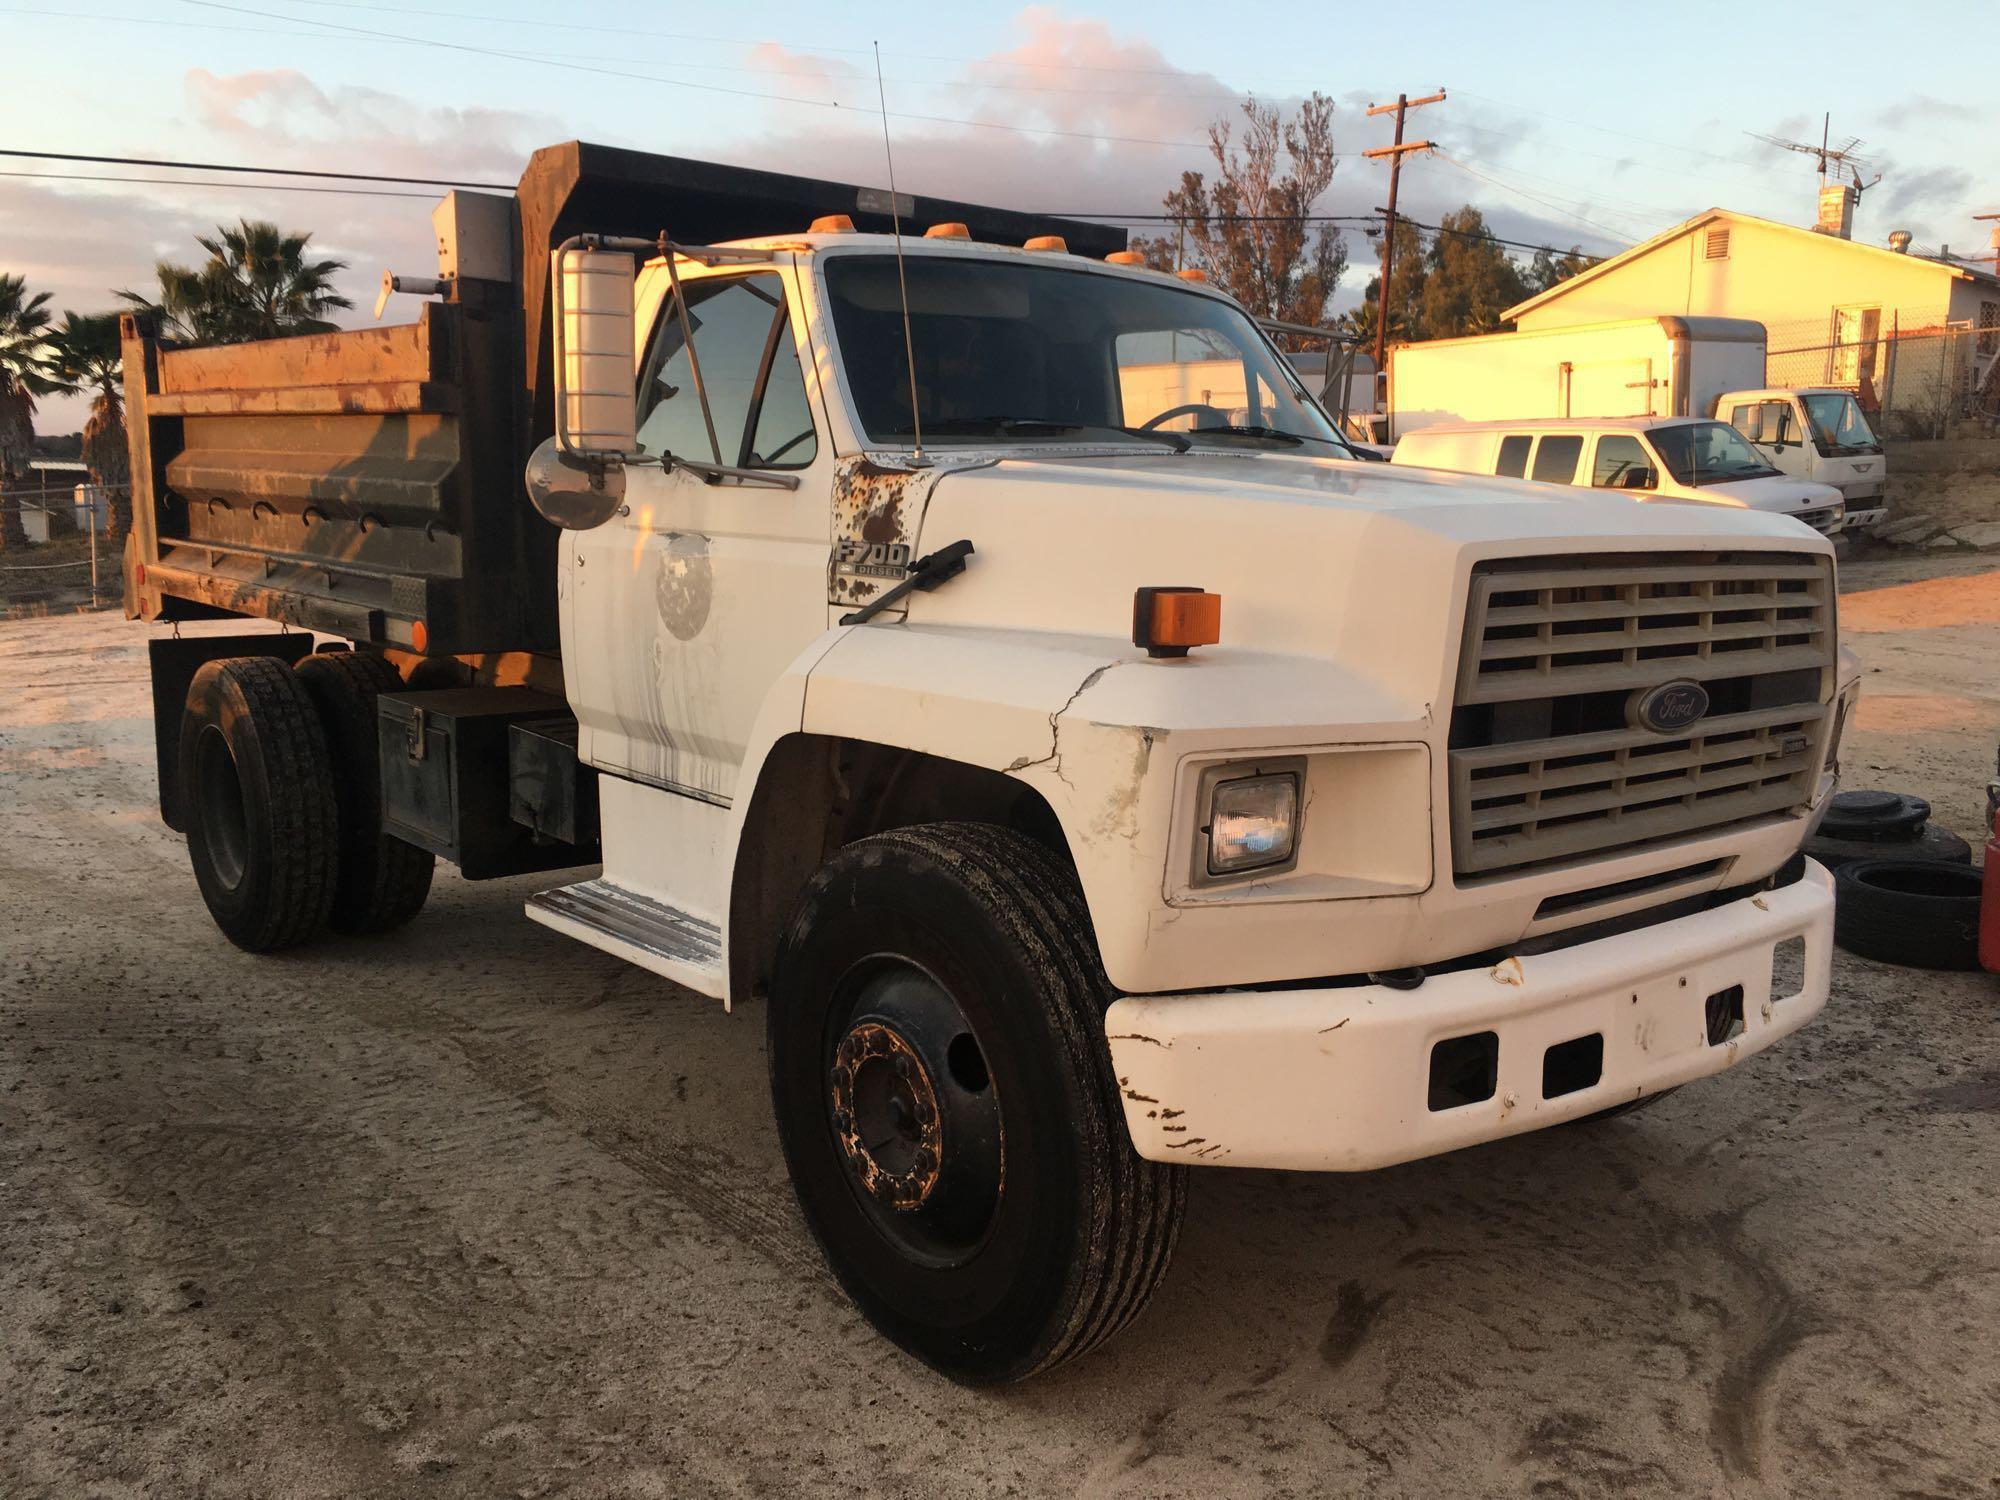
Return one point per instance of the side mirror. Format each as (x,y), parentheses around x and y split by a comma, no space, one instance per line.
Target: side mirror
(577,494)
(577,478)
(595,368)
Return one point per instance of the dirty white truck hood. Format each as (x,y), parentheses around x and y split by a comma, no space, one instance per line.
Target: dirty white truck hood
(1356,560)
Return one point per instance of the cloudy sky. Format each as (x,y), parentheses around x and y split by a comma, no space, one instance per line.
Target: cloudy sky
(1563,126)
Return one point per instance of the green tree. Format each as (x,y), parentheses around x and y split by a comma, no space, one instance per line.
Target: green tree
(1406,297)
(256,284)
(1251,228)
(24,375)
(88,360)
(1548,268)
(1470,281)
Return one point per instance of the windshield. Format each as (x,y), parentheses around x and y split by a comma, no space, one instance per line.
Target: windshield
(1838,424)
(1698,453)
(1014,353)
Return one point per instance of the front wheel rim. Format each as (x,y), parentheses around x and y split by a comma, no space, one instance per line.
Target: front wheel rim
(914,1112)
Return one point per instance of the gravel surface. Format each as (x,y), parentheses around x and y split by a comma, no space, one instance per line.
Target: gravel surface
(471,1210)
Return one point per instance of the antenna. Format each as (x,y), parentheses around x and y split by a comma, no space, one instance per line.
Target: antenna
(1832,159)
(902,285)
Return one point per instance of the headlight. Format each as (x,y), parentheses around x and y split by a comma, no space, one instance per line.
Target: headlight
(1252,823)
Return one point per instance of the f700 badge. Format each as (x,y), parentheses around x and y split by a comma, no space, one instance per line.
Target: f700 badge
(858,559)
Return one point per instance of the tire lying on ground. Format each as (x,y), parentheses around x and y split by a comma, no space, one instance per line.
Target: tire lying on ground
(1882,825)
(383,881)
(947,1108)
(1913,912)
(257,795)
(1931,844)
(1874,815)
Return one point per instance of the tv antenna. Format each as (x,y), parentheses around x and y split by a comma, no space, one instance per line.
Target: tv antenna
(1833,160)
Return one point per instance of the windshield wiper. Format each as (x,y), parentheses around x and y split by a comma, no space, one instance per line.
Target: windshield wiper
(1269,434)
(974,426)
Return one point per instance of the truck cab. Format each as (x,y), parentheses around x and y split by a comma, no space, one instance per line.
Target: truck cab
(1818,434)
(1081,782)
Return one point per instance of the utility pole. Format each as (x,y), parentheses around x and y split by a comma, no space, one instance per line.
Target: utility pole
(1994,238)
(1395,153)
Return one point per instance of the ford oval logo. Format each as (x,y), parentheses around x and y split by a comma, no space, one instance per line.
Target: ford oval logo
(1670,707)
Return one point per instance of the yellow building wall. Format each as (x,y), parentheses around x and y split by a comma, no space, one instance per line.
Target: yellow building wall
(1789,282)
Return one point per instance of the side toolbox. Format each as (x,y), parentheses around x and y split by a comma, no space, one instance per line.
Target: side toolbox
(449,779)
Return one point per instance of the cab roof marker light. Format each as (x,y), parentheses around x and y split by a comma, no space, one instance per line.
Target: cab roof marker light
(1051,242)
(1192,273)
(832,224)
(1125,258)
(952,231)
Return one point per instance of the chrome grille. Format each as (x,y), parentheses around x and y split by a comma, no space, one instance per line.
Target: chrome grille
(1547,765)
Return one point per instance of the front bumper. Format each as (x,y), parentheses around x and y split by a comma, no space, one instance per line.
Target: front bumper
(1339,1079)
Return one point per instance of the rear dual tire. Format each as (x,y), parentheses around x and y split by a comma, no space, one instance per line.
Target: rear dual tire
(281,784)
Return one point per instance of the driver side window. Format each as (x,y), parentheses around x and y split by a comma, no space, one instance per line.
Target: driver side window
(749,368)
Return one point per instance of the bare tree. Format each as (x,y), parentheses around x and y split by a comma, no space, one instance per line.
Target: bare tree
(1251,229)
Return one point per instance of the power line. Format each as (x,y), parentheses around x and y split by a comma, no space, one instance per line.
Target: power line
(706,88)
(242,167)
(1096,91)
(273,187)
(726,41)
(223,166)
(1572,215)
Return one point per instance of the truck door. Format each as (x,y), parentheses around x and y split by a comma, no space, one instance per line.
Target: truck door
(681,612)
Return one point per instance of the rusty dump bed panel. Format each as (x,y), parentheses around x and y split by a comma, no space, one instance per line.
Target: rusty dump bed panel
(357,482)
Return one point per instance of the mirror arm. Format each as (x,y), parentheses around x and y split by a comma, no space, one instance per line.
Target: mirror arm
(715,473)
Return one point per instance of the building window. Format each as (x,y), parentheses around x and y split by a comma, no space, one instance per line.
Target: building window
(1989,327)
(1718,244)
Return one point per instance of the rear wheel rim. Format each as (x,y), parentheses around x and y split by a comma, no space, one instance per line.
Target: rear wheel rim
(225,821)
(914,1112)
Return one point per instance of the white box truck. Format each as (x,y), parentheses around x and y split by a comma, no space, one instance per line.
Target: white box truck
(1666,366)
(1081,789)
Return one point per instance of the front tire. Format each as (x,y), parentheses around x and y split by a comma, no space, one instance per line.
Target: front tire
(947,1107)
(256,788)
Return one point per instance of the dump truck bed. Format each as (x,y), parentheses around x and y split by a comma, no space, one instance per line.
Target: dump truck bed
(361,483)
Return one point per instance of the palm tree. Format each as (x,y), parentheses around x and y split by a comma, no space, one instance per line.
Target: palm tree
(89,358)
(256,284)
(24,375)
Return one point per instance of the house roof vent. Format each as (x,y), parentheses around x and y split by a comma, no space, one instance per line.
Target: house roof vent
(1899,241)
(1718,244)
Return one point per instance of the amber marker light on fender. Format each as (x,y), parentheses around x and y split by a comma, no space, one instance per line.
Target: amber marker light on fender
(1171,620)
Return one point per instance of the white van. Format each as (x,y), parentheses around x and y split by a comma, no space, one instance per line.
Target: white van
(1691,460)
(1817,434)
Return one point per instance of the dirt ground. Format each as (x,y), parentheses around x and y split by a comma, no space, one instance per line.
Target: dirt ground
(471,1210)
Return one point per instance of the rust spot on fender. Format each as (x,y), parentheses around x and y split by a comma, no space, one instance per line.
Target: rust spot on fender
(1135,1036)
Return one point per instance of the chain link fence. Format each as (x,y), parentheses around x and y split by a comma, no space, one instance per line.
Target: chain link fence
(55,517)
(1918,375)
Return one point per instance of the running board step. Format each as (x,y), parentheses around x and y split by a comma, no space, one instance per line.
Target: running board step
(673,944)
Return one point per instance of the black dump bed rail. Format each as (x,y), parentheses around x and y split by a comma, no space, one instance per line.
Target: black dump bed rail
(368,483)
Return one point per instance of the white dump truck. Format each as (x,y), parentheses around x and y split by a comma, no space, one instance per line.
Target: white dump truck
(1083,789)
(1668,366)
